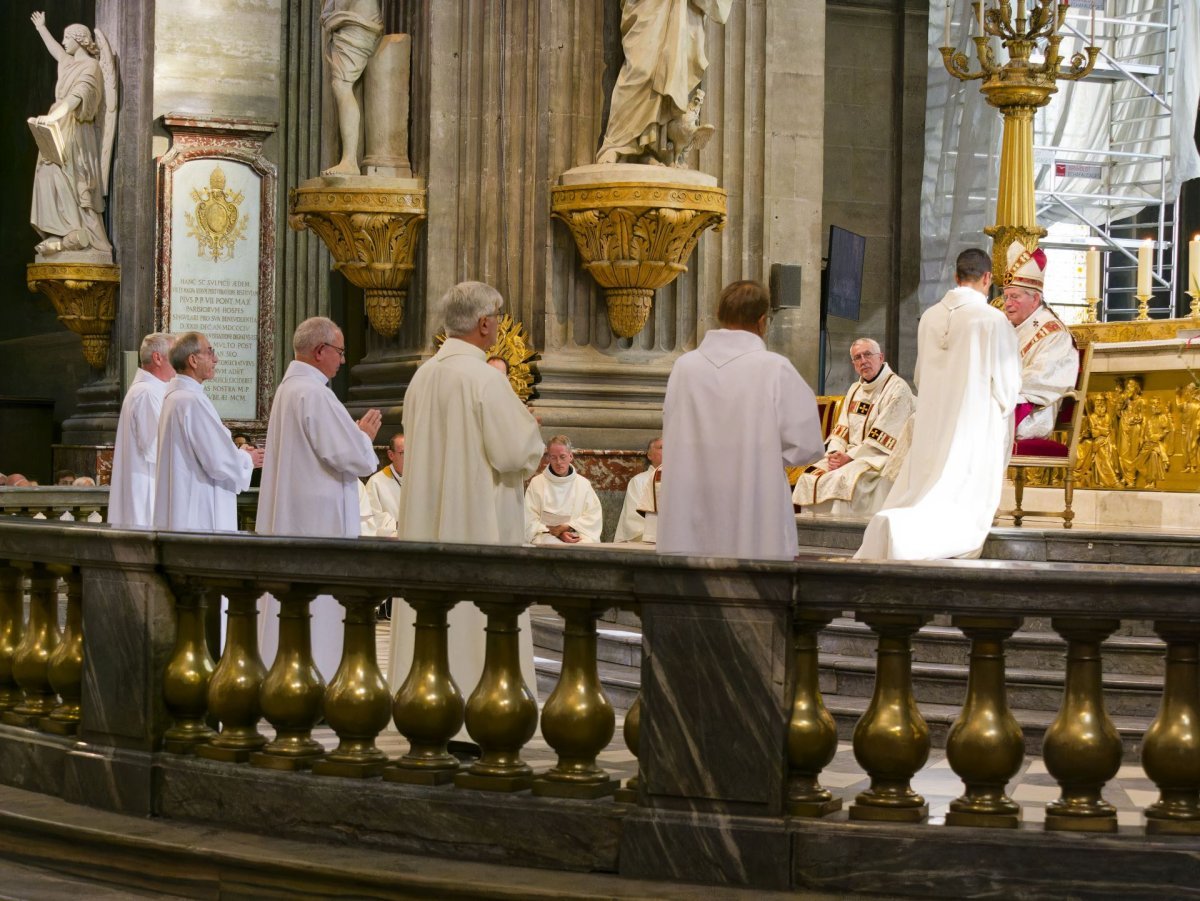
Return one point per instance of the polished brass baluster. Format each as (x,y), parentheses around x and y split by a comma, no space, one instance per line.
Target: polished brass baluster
(578,719)
(293,692)
(631,732)
(1171,748)
(891,741)
(501,713)
(985,746)
(65,668)
(12,627)
(31,662)
(812,732)
(185,683)
(358,704)
(428,708)
(233,692)
(1082,748)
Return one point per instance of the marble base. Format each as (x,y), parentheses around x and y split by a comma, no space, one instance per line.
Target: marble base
(621,173)
(32,760)
(1134,510)
(110,779)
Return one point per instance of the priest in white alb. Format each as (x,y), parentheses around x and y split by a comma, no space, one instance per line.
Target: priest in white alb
(638,496)
(131,486)
(471,444)
(561,506)
(968,377)
(734,416)
(200,470)
(852,478)
(316,454)
(383,488)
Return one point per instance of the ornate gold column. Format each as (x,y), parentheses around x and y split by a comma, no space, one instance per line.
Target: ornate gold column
(428,708)
(891,741)
(501,713)
(358,704)
(12,627)
(293,692)
(185,683)
(1082,748)
(85,297)
(1171,747)
(628,793)
(985,746)
(233,691)
(812,732)
(577,719)
(65,667)
(31,661)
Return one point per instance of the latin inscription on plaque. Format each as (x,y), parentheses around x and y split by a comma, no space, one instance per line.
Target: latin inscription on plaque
(215,217)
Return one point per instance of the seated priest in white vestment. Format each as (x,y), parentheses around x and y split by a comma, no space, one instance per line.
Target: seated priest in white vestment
(471,444)
(131,486)
(967,377)
(316,454)
(199,470)
(561,507)
(734,416)
(383,488)
(632,524)
(1049,360)
(850,480)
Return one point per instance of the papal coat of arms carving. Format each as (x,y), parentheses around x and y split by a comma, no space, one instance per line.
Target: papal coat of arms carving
(216,223)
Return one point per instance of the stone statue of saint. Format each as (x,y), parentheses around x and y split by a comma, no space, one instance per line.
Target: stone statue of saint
(654,113)
(352,30)
(75,138)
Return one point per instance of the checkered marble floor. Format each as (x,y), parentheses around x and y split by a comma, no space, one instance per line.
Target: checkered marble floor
(1033,788)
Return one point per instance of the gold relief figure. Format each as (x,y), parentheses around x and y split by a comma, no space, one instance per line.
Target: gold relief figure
(1096,466)
(1152,461)
(1131,416)
(1189,422)
(1175,442)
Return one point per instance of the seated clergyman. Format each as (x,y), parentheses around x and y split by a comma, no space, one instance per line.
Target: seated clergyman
(561,507)
(851,479)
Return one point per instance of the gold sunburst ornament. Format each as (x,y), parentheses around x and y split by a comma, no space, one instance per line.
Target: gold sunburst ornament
(216,223)
(512,346)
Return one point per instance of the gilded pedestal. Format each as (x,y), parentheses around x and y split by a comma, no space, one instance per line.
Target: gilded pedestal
(185,683)
(1171,748)
(370,225)
(12,627)
(233,692)
(85,297)
(635,229)
(65,668)
(812,732)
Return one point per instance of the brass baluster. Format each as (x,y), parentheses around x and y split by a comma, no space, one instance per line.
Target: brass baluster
(501,712)
(31,662)
(233,692)
(428,708)
(631,732)
(12,627)
(185,683)
(293,692)
(985,746)
(812,732)
(1082,748)
(577,719)
(891,741)
(358,704)
(1171,748)
(65,668)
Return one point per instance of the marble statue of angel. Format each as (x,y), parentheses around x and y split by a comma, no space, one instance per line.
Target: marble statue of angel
(76,141)
(654,112)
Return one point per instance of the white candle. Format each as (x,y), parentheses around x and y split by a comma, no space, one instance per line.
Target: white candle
(1194,264)
(946,42)
(1092,37)
(1143,282)
(1093,273)
(1021,11)
(979,15)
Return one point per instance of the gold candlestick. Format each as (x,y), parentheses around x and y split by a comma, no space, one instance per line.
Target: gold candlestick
(1143,313)
(1092,304)
(1194,311)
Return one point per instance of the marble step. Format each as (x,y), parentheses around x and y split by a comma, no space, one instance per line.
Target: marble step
(621,683)
(940,683)
(1028,650)
(620,644)
(940,717)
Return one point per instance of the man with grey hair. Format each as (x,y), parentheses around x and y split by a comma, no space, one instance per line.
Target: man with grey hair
(866,447)
(315,455)
(561,506)
(131,486)
(470,445)
(200,470)
(639,495)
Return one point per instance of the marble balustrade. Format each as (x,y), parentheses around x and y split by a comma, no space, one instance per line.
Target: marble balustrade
(730,730)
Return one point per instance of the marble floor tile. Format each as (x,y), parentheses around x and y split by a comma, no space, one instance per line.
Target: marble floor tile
(1141,798)
(1039,793)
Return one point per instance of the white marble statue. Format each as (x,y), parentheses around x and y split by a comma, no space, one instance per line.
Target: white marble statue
(352,29)
(654,114)
(75,140)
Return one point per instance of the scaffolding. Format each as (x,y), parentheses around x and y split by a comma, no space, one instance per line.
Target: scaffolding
(1117,195)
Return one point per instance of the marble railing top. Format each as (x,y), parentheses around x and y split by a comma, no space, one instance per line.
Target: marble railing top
(618,578)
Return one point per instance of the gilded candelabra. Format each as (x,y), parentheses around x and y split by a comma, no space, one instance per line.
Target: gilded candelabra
(1017,89)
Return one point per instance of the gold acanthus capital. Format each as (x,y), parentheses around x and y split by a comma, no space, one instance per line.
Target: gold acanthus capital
(84,297)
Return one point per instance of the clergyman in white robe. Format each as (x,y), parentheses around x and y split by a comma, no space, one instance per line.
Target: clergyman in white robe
(470,445)
(131,485)
(638,496)
(734,416)
(552,499)
(315,455)
(1049,368)
(968,376)
(383,488)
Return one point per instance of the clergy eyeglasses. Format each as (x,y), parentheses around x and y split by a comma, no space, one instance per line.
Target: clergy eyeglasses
(341,350)
(865,355)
